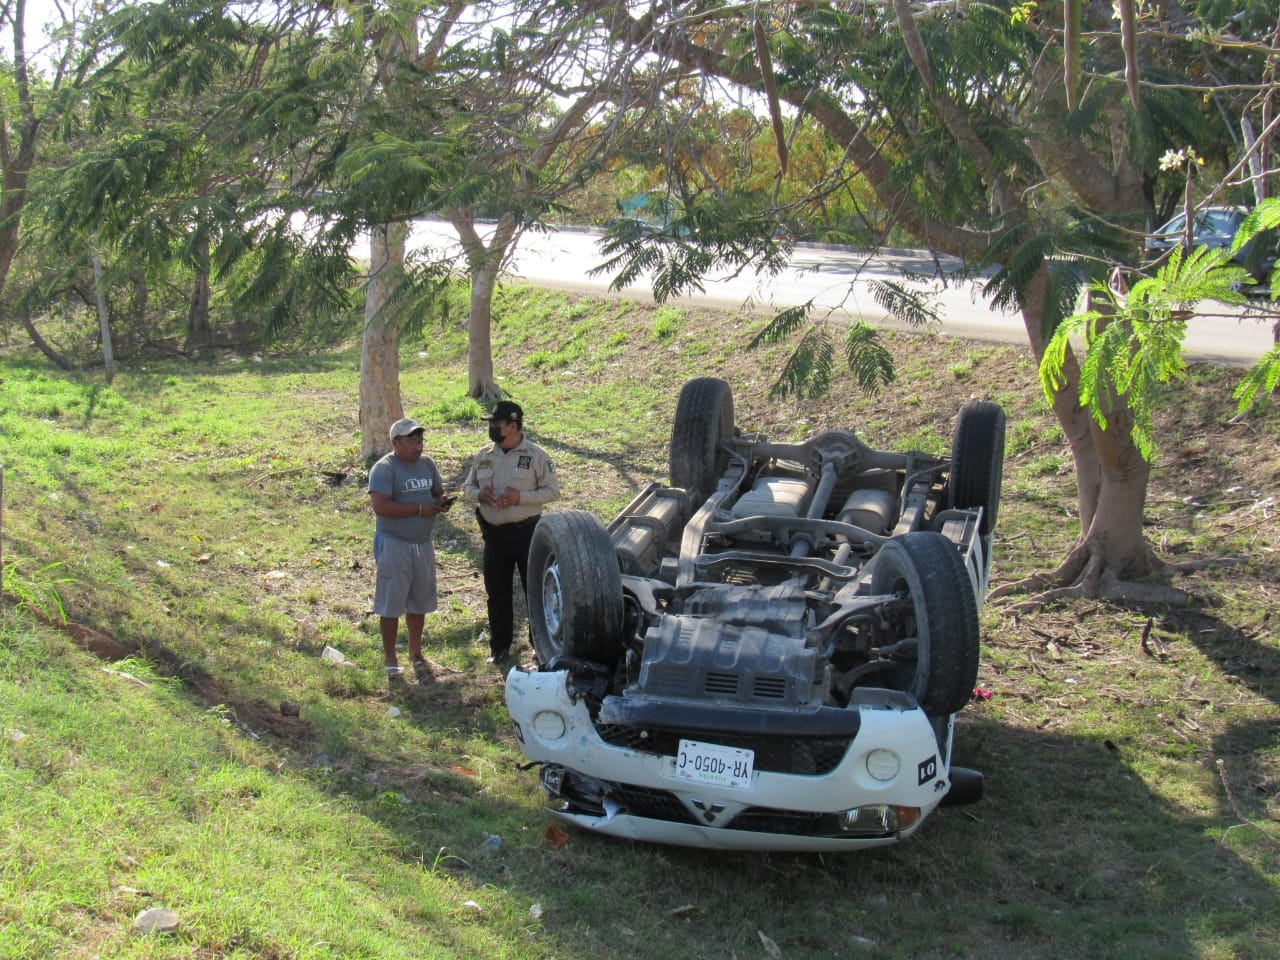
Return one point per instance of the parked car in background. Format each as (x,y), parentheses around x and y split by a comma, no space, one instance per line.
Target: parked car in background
(1216,227)
(769,651)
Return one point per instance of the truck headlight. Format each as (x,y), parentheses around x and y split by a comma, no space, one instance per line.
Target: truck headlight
(878,820)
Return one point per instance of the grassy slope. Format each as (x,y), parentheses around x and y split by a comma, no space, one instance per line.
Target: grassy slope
(212,528)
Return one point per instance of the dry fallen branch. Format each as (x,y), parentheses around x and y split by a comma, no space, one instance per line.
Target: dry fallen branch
(1221,766)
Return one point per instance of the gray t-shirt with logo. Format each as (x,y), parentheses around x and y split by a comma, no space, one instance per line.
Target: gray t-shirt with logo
(405,483)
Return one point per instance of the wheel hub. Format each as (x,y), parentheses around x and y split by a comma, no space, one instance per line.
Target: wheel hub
(553,601)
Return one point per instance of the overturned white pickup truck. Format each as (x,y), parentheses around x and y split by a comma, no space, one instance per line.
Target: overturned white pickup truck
(768,653)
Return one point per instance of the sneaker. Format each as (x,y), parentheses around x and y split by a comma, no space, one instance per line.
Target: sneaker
(395,672)
(500,658)
(422,671)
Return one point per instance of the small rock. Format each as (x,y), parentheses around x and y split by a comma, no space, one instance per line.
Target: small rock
(156,920)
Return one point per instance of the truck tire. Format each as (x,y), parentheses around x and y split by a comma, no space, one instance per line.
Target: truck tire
(977,461)
(936,609)
(575,590)
(704,418)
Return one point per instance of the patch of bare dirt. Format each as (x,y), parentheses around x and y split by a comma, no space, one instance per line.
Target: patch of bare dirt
(282,721)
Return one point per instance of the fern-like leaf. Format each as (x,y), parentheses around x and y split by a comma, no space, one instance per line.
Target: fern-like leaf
(868,359)
(1262,380)
(903,303)
(782,325)
(810,369)
(1133,341)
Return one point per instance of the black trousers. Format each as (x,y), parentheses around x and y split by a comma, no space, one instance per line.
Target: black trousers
(506,551)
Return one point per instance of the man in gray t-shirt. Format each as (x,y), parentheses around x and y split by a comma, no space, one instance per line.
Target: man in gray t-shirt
(407,495)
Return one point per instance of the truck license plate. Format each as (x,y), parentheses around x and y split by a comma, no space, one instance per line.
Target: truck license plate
(714,765)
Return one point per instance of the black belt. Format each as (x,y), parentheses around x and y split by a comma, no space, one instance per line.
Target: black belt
(518,525)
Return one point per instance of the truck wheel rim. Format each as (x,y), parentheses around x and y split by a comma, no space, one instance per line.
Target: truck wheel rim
(552,600)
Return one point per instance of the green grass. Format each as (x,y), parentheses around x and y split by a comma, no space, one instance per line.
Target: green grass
(207,527)
(667,322)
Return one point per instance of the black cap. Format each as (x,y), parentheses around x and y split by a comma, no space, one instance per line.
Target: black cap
(506,410)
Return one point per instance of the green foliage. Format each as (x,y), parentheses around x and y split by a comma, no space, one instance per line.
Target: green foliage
(1261,382)
(869,360)
(1265,216)
(903,302)
(456,409)
(392,178)
(184,48)
(37,591)
(781,325)
(666,323)
(810,369)
(1073,255)
(428,295)
(1263,378)
(1133,338)
(717,231)
(179,166)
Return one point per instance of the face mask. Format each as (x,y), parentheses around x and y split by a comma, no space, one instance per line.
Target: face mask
(495,433)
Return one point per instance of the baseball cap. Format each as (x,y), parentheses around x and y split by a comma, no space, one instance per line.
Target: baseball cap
(505,410)
(405,426)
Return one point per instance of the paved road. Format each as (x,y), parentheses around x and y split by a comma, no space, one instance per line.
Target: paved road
(836,281)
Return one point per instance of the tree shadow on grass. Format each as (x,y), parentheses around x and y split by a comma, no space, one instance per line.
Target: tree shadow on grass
(1246,755)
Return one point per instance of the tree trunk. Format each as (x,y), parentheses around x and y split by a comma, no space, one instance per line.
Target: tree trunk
(198,330)
(11,207)
(40,343)
(1111,475)
(380,404)
(18,139)
(141,297)
(1115,533)
(480,379)
(484,263)
(104,318)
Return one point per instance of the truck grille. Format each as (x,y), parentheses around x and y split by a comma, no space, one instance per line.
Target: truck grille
(660,805)
(724,684)
(720,684)
(802,756)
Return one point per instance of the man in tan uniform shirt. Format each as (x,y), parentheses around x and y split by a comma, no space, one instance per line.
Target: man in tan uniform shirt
(509,481)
